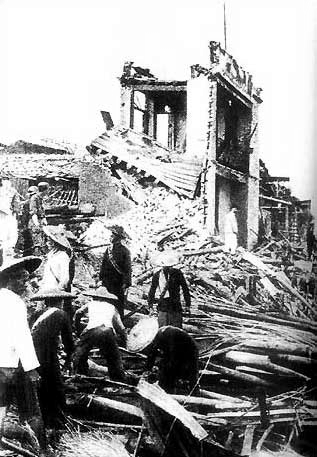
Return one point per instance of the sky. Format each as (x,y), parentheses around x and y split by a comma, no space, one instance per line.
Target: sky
(61,59)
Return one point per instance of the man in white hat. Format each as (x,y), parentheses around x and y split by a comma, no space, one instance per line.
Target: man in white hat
(104,325)
(169,281)
(47,330)
(18,360)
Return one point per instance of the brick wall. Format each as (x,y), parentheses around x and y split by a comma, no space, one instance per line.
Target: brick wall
(97,186)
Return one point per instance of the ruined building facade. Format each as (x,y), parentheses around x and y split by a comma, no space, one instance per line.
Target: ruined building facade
(213,119)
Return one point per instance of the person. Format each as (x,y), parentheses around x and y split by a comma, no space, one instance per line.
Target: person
(104,325)
(3,235)
(115,272)
(52,324)
(178,358)
(56,273)
(169,281)
(25,233)
(231,231)
(18,360)
(36,221)
(310,238)
(9,205)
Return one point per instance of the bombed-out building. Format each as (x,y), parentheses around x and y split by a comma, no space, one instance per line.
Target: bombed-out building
(210,123)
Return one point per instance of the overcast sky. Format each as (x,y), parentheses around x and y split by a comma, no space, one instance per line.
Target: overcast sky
(60,60)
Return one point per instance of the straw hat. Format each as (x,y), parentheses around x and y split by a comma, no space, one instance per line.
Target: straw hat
(118,231)
(101,293)
(142,334)
(43,185)
(29,263)
(51,293)
(33,190)
(58,235)
(166,259)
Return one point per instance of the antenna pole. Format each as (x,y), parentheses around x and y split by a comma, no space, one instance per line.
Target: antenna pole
(225,24)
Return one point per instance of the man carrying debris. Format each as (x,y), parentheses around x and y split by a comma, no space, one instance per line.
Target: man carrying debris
(115,273)
(52,324)
(169,280)
(104,325)
(231,231)
(18,361)
(178,358)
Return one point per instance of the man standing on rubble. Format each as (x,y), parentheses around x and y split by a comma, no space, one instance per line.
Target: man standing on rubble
(231,231)
(169,281)
(18,361)
(52,324)
(116,271)
(104,325)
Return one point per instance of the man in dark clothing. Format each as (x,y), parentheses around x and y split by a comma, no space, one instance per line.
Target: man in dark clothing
(46,331)
(179,357)
(169,281)
(115,273)
(310,239)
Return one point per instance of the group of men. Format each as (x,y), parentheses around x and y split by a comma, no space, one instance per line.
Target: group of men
(29,363)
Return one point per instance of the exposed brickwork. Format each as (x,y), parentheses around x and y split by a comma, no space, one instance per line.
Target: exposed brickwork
(96,186)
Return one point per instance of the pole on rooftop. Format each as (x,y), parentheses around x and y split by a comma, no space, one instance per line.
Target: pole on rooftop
(225,24)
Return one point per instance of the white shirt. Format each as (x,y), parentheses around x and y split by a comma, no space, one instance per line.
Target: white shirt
(231,225)
(104,313)
(56,270)
(15,336)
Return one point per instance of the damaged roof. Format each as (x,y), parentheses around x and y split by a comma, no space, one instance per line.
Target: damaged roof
(32,166)
(132,150)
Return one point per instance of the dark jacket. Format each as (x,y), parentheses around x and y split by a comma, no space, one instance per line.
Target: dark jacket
(178,354)
(115,271)
(176,281)
(46,331)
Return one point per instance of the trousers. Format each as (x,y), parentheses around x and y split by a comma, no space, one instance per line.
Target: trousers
(104,339)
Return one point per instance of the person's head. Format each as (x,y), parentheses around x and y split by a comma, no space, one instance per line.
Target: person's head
(101,295)
(117,234)
(43,187)
(56,238)
(15,274)
(32,190)
(52,297)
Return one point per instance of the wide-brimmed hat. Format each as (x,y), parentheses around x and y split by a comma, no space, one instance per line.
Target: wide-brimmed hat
(165,259)
(29,263)
(32,190)
(58,235)
(118,231)
(142,334)
(43,185)
(101,293)
(51,293)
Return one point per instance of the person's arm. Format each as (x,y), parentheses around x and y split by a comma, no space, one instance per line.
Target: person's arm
(154,285)
(78,315)
(103,267)
(119,328)
(127,280)
(185,289)
(66,334)
(153,352)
